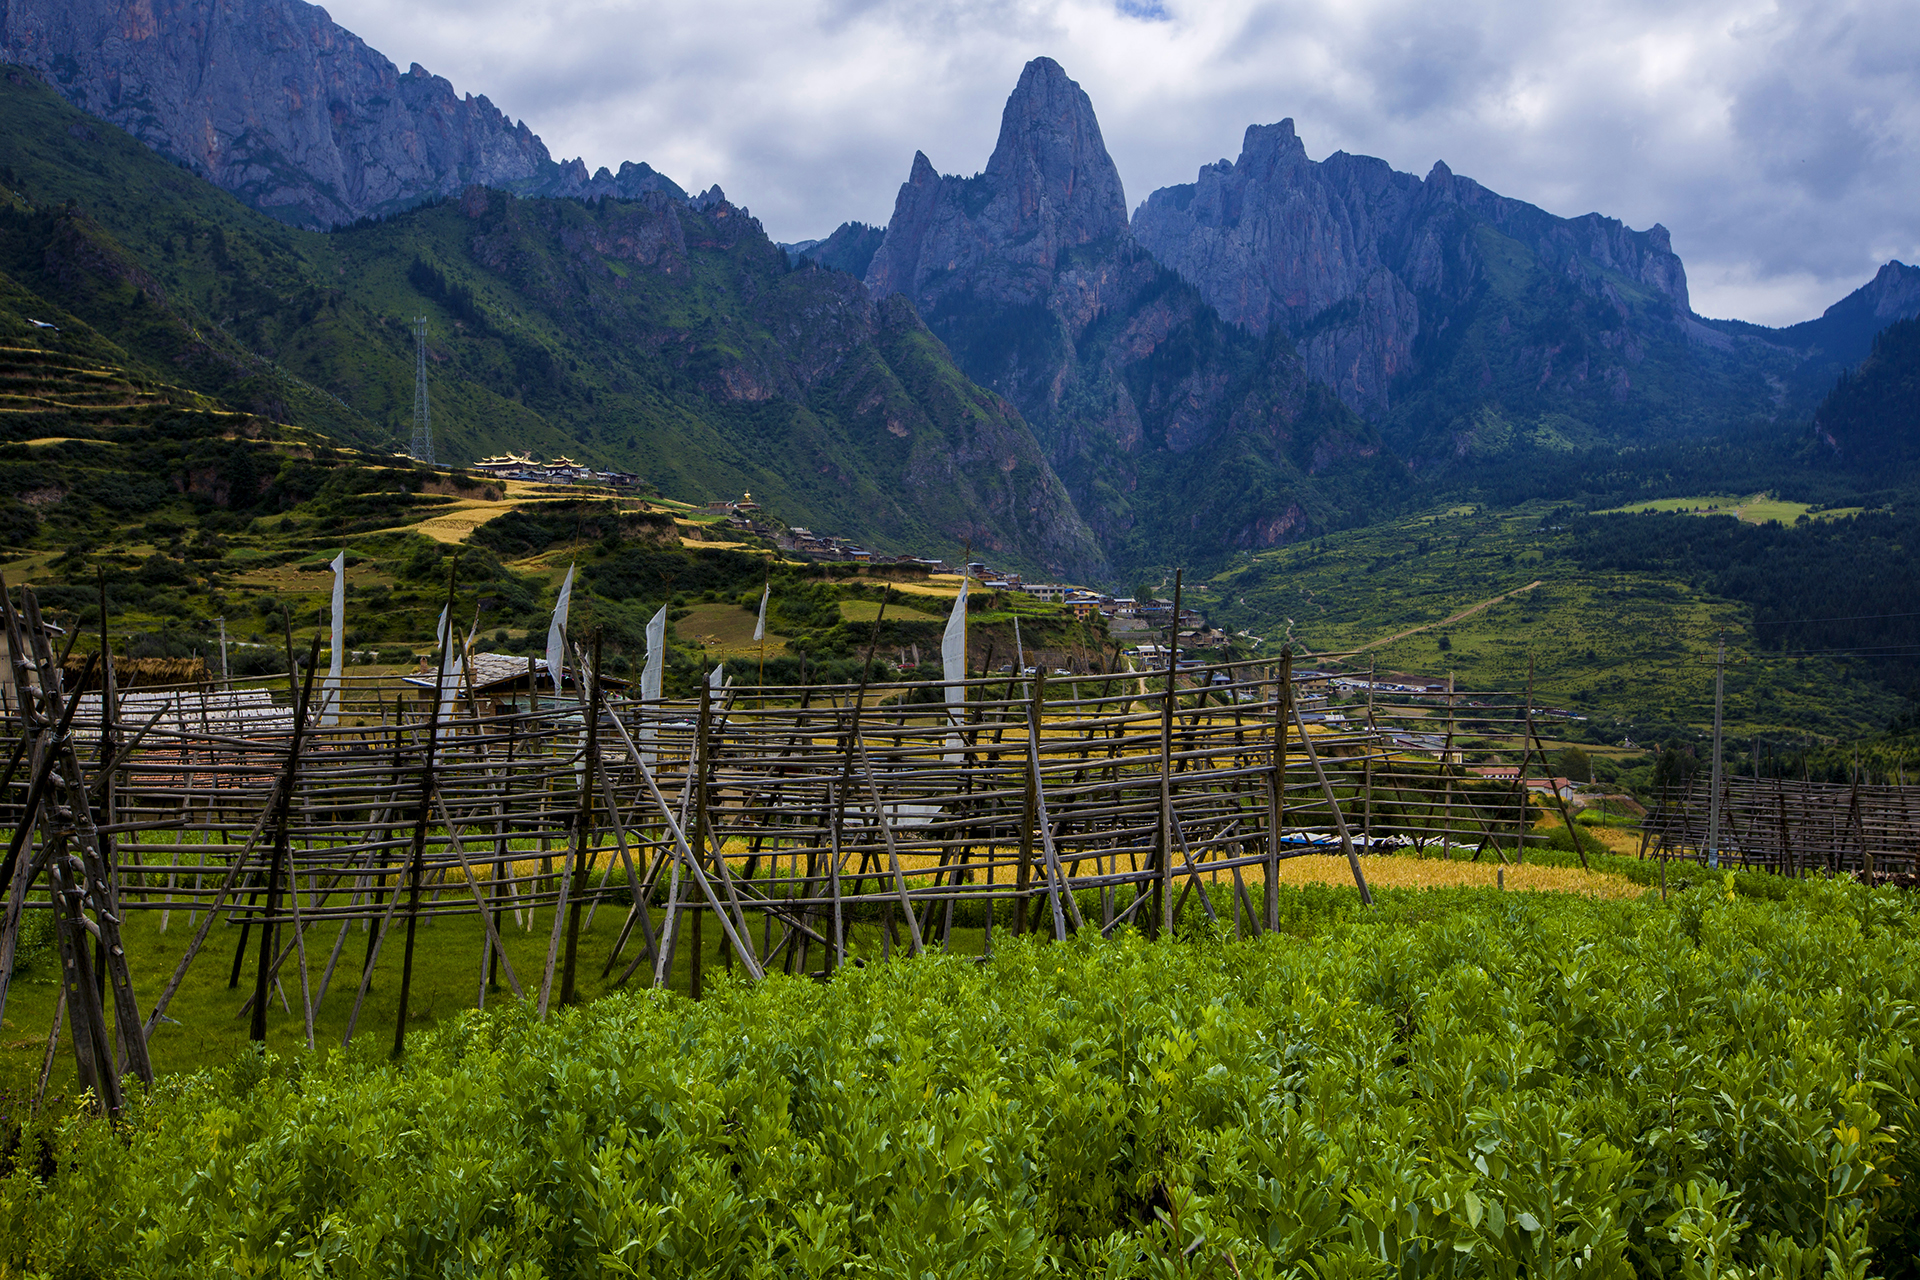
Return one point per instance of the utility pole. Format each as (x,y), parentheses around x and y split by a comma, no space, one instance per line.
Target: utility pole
(1713,804)
(421,450)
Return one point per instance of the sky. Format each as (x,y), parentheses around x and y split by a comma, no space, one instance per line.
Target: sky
(1778,142)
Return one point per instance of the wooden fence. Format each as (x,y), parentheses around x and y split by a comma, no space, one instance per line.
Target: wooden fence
(777,814)
(1791,827)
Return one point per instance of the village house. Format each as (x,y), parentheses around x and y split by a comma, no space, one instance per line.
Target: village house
(1564,788)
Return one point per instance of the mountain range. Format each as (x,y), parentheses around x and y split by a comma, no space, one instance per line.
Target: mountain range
(1282,347)
(664,335)
(1450,314)
(273,101)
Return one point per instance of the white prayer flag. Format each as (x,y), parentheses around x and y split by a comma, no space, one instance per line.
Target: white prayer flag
(760,627)
(953,665)
(953,649)
(449,666)
(330,693)
(656,656)
(714,681)
(557,632)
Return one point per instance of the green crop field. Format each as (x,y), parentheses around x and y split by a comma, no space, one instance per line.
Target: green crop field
(1756,508)
(1456,1083)
(903,609)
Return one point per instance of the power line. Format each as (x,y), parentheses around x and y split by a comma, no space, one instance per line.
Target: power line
(1858,617)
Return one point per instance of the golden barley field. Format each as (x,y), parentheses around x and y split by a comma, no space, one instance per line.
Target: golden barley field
(1383,871)
(1405,871)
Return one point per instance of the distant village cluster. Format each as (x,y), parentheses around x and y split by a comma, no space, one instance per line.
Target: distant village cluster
(562,470)
(1123,613)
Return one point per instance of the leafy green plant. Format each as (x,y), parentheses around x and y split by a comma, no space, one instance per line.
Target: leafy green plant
(1453,1084)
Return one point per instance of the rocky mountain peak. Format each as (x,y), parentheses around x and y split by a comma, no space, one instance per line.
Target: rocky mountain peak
(1051,163)
(1355,260)
(1029,274)
(1894,291)
(1267,147)
(1049,185)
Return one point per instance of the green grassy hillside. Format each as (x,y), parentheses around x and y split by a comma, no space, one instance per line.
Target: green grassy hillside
(1627,641)
(176,512)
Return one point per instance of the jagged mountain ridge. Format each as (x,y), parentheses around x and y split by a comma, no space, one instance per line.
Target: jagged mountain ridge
(274,102)
(1467,323)
(1177,433)
(665,336)
(1275,238)
(850,248)
(1470,327)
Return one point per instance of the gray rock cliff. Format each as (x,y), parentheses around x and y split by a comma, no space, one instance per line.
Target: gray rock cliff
(274,102)
(1049,186)
(1339,252)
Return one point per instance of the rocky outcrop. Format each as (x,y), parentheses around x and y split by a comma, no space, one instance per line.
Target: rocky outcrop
(274,102)
(850,249)
(1049,187)
(1176,433)
(1340,253)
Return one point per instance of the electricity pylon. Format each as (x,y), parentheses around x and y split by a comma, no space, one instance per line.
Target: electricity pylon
(421,449)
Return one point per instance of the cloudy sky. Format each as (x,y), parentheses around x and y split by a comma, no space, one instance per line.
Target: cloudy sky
(1779,142)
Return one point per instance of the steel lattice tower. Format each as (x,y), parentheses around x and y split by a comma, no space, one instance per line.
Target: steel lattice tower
(421,449)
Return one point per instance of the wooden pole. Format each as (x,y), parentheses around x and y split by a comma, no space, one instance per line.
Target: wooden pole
(1713,820)
(1277,788)
(1333,805)
(1163,852)
(416,865)
(283,805)
(583,832)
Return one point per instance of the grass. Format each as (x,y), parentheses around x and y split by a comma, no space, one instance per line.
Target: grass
(1408,872)
(868,610)
(205,1024)
(1755,508)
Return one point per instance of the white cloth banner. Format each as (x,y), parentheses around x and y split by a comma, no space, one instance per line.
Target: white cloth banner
(650,677)
(656,656)
(557,633)
(330,693)
(760,627)
(448,643)
(953,649)
(953,666)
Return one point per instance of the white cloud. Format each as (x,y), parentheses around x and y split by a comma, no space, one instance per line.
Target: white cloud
(1777,141)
